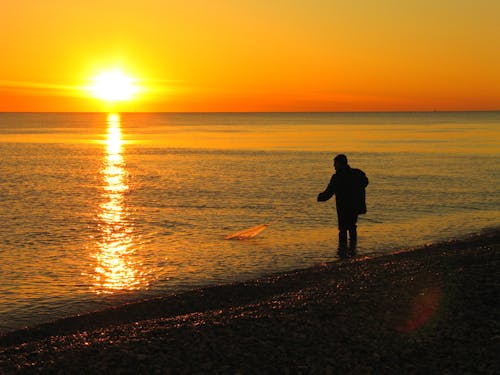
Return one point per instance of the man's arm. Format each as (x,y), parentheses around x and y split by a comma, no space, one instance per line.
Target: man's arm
(329,191)
(364,180)
(361,179)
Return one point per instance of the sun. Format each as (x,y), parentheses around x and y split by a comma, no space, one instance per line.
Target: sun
(113,86)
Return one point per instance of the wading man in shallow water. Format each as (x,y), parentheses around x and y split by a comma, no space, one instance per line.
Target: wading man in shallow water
(348,185)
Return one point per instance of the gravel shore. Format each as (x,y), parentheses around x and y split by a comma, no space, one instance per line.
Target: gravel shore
(430,310)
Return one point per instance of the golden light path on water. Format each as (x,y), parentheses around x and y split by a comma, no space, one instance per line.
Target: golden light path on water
(117,267)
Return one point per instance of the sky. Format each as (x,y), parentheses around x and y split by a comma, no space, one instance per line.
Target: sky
(253,55)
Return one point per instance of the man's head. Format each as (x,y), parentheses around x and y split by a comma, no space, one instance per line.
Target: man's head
(340,162)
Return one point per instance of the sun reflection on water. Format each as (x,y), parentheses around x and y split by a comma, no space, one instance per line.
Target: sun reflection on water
(117,268)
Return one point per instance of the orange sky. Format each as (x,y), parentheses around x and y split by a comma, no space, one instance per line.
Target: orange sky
(253,55)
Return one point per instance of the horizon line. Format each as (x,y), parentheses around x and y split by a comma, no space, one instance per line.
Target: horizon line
(270,112)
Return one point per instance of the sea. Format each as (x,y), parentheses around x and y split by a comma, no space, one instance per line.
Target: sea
(100,209)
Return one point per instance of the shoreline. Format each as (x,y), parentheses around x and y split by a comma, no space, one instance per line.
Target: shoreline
(307,320)
(74,318)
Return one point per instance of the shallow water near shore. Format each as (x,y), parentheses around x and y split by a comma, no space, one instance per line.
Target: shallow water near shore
(101,209)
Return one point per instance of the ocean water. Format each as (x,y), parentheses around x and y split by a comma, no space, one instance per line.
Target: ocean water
(99,209)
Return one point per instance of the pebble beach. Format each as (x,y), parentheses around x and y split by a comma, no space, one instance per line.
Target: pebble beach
(434,309)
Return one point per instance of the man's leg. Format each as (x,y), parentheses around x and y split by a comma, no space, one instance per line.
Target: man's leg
(353,234)
(342,237)
(343,228)
(348,224)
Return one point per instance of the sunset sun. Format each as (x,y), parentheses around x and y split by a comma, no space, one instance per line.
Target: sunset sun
(113,86)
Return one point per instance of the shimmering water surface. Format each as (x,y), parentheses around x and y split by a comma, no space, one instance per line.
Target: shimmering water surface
(99,209)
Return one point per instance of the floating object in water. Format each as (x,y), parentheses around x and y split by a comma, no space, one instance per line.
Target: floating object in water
(247,233)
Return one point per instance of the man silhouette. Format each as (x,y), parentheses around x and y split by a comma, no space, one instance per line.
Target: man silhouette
(348,185)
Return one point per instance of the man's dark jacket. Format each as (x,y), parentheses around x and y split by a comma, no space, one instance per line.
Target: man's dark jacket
(348,185)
